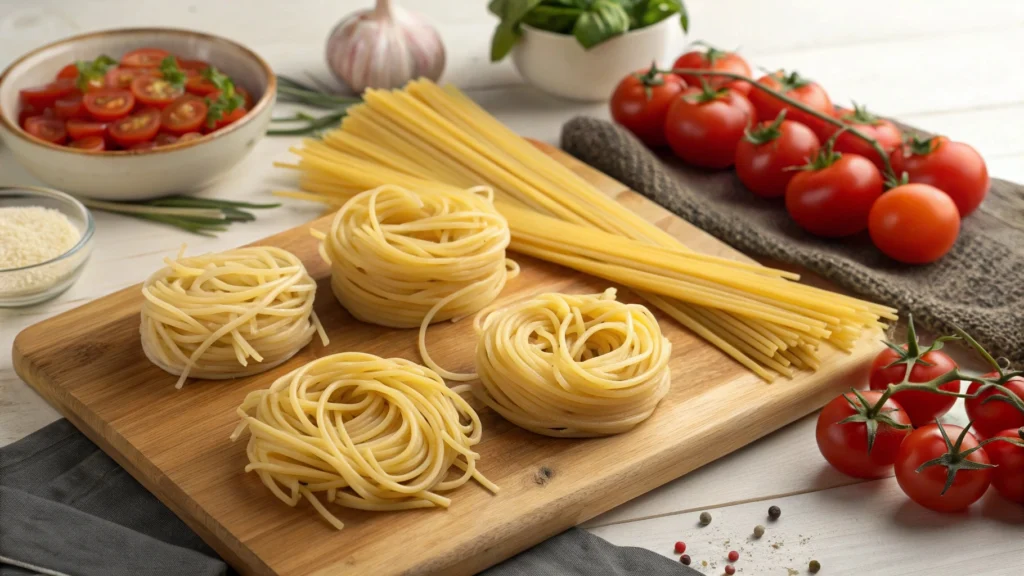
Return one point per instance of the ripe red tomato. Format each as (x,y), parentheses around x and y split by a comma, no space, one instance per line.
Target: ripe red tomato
(641,102)
(49,129)
(27,111)
(764,157)
(925,487)
(121,78)
(80,129)
(139,127)
(69,106)
(91,143)
(200,86)
(953,167)
(44,96)
(248,97)
(835,198)
(109,103)
(186,114)
(801,89)
(914,224)
(197,65)
(922,407)
(884,131)
(144,58)
(845,446)
(719,60)
(991,417)
(155,91)
(69,72)
(1008,476)
(703,127)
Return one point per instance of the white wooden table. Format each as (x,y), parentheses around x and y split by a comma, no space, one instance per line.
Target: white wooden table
(948,65)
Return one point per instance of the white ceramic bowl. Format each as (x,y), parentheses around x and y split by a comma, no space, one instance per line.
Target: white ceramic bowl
(137,174)
(558,64)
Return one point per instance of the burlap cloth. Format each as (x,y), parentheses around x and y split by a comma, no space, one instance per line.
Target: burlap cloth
(978,286)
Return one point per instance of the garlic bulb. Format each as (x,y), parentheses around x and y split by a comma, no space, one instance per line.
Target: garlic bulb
(384,48)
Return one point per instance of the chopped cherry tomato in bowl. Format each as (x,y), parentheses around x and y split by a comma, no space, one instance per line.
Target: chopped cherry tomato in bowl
(27,111)
(109,103)
(79,129)
(122,77)
(49,129)
(144,58)
(139,127)
(186,114)
(69,72)
(155,91)
(195,65)
(70,106)
(200,86)
(44,96)
(90,143)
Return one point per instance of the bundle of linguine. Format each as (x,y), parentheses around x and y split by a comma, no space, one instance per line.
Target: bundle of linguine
(430,138)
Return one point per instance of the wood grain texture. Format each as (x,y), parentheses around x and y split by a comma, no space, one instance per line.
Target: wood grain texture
(89,364)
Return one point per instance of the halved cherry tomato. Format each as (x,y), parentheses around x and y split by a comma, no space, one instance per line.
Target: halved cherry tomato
(109,103)
(70,72)
(138,127)
(197,65)
(155,91)
(185,114)
(914,223)
(142,146)
(91,143)
(640,103)
(717,60)
(189,137)
(165,139)
(229,118)
(118,77)
(79,129)
(49,129)
(144,58)
(69,106)
(45,95)
(200,86)
(27,111)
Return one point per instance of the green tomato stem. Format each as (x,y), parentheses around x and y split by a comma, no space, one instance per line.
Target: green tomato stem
(890,175)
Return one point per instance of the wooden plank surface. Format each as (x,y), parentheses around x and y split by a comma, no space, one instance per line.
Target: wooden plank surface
(89,364)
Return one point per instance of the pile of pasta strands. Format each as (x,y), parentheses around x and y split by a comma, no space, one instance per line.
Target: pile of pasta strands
(434,139)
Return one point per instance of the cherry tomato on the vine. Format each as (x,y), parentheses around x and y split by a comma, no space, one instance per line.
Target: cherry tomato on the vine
(834,195)
(717,60)
(765,155)
(807,92)
(1008,475)
(704,125)
(926,486)
(884,131)
(641,102)
(845,445)
(922,407)
(953,167)
(995,415)
(914,224)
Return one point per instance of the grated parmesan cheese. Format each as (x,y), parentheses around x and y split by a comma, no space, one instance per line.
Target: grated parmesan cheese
(31,235)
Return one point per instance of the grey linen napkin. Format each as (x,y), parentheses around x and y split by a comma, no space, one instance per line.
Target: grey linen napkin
(67,508)
(977,286)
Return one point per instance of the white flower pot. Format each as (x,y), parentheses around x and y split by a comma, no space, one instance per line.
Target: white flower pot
(558,64)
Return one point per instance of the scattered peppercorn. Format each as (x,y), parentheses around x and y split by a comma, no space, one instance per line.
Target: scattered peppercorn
(733,556)
(680,547)
(774,512)
(705,518)
(704,563)
(814,566)
(730,569)
(685,559)
(758,531)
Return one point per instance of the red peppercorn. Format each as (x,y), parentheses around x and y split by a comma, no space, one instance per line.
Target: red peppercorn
(685,559)
(680,547)
(734,556)
(730,569)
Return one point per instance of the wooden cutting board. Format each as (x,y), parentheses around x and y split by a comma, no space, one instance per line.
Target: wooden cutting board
(89,364)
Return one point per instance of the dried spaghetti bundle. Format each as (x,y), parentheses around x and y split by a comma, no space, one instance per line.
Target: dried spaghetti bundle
(208,316)
(572,366)
(364,432)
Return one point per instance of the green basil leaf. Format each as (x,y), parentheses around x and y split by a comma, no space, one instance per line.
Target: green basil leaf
(505,37)
(605,19)
(511,13)
(654,11)
(553,18)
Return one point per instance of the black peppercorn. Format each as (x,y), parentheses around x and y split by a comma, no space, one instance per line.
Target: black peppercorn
(705,518)
(685,559)
(814,566)
(774,512)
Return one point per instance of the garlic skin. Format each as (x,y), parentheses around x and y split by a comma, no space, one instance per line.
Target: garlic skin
(384,48)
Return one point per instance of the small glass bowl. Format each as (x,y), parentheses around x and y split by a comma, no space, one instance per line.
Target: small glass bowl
(37,283)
